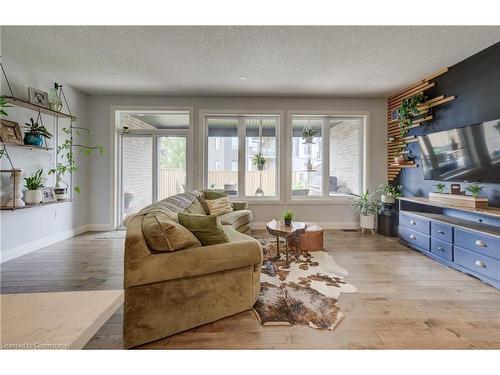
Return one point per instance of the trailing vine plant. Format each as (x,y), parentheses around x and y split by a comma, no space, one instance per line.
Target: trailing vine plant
(66,158)
(407,111)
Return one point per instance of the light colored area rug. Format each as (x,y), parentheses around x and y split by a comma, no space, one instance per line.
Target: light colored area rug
(65,320)
(303,292)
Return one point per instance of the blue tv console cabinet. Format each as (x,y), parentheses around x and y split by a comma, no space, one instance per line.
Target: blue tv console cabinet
(466,239)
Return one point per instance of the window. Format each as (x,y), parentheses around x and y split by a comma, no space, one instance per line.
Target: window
(247,172)
(330,163)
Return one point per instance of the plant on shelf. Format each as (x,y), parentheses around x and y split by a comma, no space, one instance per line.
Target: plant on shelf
(288,217)
(389,193)
(474,190)
(365,205)
(308,134)
(259,161)
(66,158)
(3,104)
(33,184)
(440,187)
(36,133)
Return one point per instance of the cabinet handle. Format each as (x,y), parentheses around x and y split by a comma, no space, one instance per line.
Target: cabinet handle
(479,263)
(440,232)
(440,248)
(412,222)
(480,243)
(413,237)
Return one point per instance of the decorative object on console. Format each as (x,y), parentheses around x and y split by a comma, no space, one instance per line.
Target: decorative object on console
(455,189)
(38,97)
(460,200)
(48,195)
(288,216)
(10,132)
(61,193)
(33,184)
(36,133)
(16,177)
(440,187)
(366,207)
(474,190)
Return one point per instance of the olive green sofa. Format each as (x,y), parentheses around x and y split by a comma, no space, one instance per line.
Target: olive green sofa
(169,292)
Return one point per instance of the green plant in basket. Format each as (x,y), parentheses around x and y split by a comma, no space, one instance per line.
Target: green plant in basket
(474,190)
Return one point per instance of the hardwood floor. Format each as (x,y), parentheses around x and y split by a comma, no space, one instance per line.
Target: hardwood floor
(404,299)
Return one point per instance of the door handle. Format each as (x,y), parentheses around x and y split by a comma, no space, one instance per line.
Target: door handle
(480,243)
(412,222)
(413,237)
(480,263)
(440,248)
(440,232)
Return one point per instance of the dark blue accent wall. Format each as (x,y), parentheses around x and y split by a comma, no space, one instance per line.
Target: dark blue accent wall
(476,83)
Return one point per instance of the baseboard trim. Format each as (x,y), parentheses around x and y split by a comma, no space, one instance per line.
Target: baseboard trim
(99,227)
(322,224)
(42,242)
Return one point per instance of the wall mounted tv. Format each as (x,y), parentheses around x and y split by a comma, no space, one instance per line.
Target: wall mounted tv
(469,154)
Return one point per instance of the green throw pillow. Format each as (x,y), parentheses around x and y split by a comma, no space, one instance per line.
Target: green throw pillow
(206,228)
(214,194)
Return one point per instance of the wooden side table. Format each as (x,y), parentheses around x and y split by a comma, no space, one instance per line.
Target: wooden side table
(279,229)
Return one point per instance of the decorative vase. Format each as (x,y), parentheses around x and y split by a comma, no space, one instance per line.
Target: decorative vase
(33,139)
(288,222)
(389,199)
(32,196)
(61,193)
(54,100)
(16,178)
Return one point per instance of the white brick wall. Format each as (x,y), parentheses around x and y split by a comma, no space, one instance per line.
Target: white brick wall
(344,156)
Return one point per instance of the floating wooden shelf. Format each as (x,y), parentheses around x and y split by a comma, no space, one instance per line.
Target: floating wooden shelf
(404,165)
(25,104)
(27,147)
(8,208)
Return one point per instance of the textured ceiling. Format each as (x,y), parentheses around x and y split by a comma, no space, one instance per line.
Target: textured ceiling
(342,61)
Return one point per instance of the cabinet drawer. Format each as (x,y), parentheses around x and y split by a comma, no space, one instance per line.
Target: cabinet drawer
(442,249)
(478,263)
(420,224)
(483,244)
(415,238)
(441,231)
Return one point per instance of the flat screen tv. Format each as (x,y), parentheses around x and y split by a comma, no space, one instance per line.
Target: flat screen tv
(469,154)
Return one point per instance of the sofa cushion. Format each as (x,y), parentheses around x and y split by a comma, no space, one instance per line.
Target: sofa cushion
(236,218)
(163,234)
(206,228)
(219,206)
(211,194)
(175,203)
(234,235)
(196,208)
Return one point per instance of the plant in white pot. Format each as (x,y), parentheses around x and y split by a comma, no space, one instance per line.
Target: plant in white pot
(33,184)
(308,135)
(366,206)
(389,193)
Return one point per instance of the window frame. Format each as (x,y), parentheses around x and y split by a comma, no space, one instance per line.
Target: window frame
(242,115)
(365,162)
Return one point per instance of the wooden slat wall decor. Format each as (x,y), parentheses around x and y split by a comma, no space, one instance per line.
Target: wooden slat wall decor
(393,103)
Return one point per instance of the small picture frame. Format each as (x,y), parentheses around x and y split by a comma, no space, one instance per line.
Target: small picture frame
(38,97)
(10,132)
(48,194)
(455,189)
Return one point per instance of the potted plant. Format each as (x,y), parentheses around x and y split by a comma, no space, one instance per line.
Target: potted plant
(440,188)
(259,161)
(474,190)
(308,134)
(288,217)
(3,104)
(35,134)
(365,206)
(389,193)
(33,194)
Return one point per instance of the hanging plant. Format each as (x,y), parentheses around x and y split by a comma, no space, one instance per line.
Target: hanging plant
(407,111)
(66,154)
(3,104)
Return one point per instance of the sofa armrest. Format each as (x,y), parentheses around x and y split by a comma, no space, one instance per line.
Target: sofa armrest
(239,205)
(193,262)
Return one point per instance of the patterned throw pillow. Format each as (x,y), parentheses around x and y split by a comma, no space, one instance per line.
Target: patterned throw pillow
(211,194)
(219,206)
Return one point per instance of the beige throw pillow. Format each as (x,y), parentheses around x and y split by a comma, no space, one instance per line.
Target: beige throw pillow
(163,234)
(219,206)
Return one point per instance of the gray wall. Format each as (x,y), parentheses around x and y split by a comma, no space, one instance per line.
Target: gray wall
(337,214)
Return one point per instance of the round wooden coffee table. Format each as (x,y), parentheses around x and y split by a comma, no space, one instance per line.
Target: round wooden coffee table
(279,229)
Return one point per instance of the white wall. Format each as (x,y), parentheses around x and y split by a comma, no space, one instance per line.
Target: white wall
(26,230)
(338,215)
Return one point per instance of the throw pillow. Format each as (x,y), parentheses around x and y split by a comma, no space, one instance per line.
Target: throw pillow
(219,206)
(163,234)
(206,228)
(196,208)
(214,194)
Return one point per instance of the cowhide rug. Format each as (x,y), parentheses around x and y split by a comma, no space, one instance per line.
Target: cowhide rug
(303,292)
